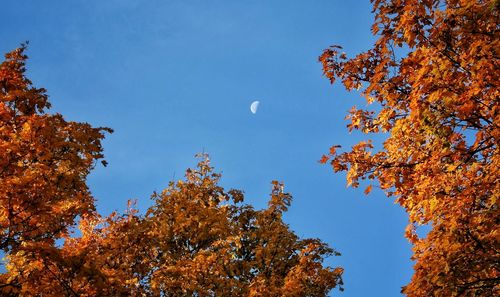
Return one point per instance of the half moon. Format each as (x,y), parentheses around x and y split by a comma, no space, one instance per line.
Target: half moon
(254,106)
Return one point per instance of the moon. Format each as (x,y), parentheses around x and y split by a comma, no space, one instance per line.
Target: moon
(254,106)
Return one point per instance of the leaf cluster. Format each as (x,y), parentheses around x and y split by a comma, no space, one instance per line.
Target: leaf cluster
(432,76)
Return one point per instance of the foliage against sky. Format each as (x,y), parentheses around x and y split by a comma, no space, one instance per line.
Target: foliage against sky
(175,77)
(196,240)
(439,107)
(44,162)
(76,39)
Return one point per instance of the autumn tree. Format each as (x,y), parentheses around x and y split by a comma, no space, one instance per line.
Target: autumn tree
(432,78)
(196,240)
(44,162)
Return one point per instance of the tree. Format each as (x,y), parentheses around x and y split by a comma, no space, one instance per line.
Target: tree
(44,161)
(433,74)
(196,240)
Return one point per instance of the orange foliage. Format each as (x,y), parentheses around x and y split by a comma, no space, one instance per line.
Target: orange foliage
(434,72)
(196,240)
(44,161)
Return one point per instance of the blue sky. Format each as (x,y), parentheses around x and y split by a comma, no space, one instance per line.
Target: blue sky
(174,78)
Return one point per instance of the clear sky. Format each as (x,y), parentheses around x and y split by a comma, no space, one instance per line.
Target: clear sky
(174,78)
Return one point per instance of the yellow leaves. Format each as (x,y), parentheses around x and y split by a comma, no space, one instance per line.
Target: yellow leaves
(385,119)
(370,99)
(25,132)
(132,281)
(433,203)
(352,176)
(361,120)
(308,278)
